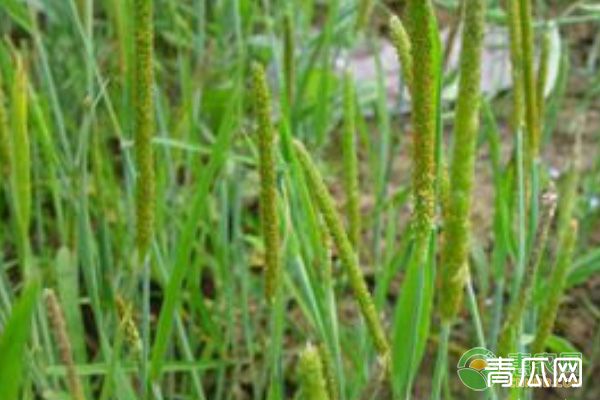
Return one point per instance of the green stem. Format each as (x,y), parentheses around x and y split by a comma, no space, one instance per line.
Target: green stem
(346,252)
(441,363)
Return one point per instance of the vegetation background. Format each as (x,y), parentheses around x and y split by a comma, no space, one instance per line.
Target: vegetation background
(144,163)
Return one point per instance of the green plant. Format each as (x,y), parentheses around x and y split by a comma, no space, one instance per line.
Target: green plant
(194,323)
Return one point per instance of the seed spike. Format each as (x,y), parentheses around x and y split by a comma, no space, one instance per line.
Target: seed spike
(455,250)
(144,123)
(347,254)
(268,191)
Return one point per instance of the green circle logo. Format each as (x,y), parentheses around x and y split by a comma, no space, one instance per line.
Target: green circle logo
(471,368)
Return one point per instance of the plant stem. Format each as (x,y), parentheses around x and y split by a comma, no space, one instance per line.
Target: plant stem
(346,252)
(441,363)
(351,183)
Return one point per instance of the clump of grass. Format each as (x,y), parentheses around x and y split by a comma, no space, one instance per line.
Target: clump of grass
(349,150)
(268,191)
(65,351)
(555,289)
(512,324)
(347,254)
(401,43)
(455,250)
(144,122)
(310,372)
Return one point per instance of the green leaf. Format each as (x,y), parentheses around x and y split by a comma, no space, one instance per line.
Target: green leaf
(13,342)
(558,345)
(18,12)
(584,267)
(68,289)
(412,319)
